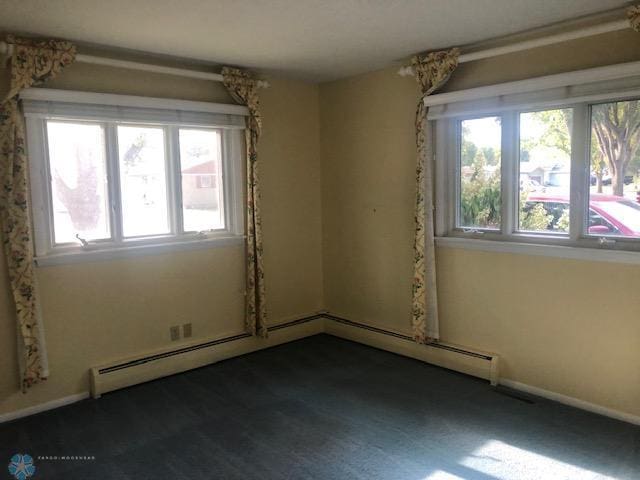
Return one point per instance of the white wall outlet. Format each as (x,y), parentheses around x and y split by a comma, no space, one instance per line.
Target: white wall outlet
(174,332)
(186,330)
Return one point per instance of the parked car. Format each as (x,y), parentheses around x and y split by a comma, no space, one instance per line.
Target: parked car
(608,214)
(628,180)
(530,184)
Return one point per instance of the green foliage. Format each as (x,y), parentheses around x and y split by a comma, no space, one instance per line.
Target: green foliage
(468,150)
(556,133)
(480,195)
(562,225)
(558,125)
(534,219)
(540,217)
(490,156)
(614,124)
(616,135)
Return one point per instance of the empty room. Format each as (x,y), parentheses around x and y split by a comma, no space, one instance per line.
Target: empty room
(340,239)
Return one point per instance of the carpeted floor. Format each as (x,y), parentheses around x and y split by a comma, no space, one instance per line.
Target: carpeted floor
(322,408)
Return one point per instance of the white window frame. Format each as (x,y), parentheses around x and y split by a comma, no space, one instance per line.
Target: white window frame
(109,111)
(576,90)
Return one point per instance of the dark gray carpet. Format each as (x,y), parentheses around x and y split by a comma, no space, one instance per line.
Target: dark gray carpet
(322,408)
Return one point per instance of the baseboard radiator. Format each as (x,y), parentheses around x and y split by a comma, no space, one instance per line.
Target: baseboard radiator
(128,372)
(454,357)
(131,371)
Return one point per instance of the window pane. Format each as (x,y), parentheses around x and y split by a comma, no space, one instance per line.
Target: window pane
(78,181)
(614,207)
(143,181)
(480,173)
(545,170)
(200,163)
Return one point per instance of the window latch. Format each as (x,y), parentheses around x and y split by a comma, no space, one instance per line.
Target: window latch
(473,231)
(202,233)
(606,241)
(83,241)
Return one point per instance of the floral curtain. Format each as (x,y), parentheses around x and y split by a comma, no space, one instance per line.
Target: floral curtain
(633,14)
(244,89)
(32,62)
(432,71)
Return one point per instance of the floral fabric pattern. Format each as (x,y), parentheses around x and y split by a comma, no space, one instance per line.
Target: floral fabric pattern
(32,62)
(432,71)
(633,14)
(244,90)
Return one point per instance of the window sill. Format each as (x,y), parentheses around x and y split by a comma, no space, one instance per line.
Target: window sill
(111,253)
(545,250)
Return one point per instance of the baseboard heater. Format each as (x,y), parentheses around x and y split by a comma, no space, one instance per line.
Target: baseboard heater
(127,372)
(454,357)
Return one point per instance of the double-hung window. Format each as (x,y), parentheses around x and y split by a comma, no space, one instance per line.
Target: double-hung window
(559,166)
(127,174)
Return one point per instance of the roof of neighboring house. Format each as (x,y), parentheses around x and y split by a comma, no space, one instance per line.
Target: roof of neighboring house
(528,167)
(206,168)
(561,197)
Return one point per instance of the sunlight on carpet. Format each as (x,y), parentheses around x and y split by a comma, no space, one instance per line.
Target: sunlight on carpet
(500,461)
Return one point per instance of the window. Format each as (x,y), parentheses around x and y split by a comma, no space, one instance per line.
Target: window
(480,152)
(78,169)
(205,181)
(106,179)
(544,171)
(614,185)
(562,175)
(200,163)
(142,162)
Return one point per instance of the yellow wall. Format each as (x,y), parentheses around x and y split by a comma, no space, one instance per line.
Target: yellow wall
(345,244)
(101,311)
(567,326)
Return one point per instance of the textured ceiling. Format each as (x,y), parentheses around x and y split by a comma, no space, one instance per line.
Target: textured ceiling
(316,40)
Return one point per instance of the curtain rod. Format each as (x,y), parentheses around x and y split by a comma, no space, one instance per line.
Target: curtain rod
(5,49)
(536,42)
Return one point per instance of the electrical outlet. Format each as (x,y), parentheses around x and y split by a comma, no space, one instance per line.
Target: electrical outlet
(174,332)
(186,330)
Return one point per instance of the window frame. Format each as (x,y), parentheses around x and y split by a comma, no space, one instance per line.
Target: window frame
(447,133)
(210,183)
(457,226)
(232,155)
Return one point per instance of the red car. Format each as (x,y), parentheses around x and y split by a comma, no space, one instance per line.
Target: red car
(608,214)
